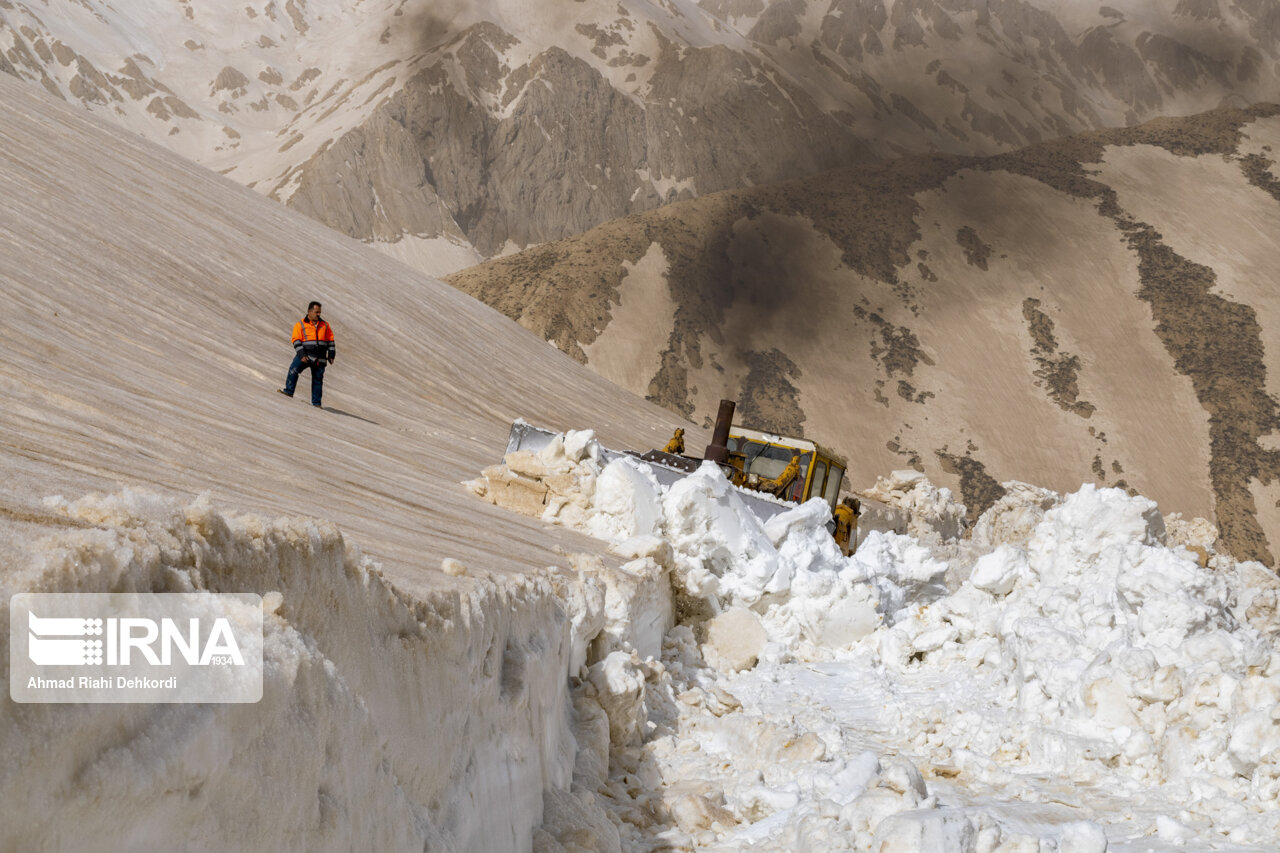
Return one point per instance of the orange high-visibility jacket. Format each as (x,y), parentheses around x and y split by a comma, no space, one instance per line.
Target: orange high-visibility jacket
(313,340)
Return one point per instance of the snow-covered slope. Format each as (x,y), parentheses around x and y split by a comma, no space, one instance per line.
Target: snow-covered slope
(148,304)
(438,130)
(1096,308)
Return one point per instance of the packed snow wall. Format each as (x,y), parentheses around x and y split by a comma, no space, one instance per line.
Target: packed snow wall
(387,721)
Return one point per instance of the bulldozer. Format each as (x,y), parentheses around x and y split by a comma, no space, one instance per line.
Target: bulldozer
(773,472)
(792,470)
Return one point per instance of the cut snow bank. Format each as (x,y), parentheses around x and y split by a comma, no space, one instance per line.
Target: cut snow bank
(386,722)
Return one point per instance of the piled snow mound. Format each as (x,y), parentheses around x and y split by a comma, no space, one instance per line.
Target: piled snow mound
(932,513)
(387,722)
(1082,647)
(1012,519)
(721,555)
(1101,649)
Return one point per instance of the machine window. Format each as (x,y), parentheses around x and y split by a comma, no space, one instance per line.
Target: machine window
(819,476)
(765,460)
(833,485)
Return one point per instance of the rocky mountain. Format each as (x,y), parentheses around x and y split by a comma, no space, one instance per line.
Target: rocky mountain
(1098,308)
(447,131)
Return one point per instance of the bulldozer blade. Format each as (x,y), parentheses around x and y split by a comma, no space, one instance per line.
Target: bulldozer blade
(667,468)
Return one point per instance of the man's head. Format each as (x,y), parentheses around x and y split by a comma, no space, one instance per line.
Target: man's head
(313,311)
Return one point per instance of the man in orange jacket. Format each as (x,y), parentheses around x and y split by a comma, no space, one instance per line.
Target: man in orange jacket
(313,347)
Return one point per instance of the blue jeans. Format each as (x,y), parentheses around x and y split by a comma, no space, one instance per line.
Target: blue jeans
(316,366)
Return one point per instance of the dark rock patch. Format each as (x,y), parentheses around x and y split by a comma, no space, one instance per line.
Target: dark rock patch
(1257,169)
(878,392)
(769,400)
(908,392)
(898,350)
(976,252)
(913,459)
(978,490)
(1218,345)
(1058,371)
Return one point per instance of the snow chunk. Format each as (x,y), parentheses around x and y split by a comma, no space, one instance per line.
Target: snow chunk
(932,514)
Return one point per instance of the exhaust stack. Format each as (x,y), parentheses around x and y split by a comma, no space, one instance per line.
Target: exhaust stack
(718,450)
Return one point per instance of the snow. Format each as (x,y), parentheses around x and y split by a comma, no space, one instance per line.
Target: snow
(336,755)
(437,256)
(1081,673)
(148,306)
(1088,686)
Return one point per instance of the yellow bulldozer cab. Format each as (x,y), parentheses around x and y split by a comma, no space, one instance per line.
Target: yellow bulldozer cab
(764,456)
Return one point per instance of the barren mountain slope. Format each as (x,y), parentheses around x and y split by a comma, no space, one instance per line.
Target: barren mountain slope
(1098,308)
(442,130)
(148,304)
